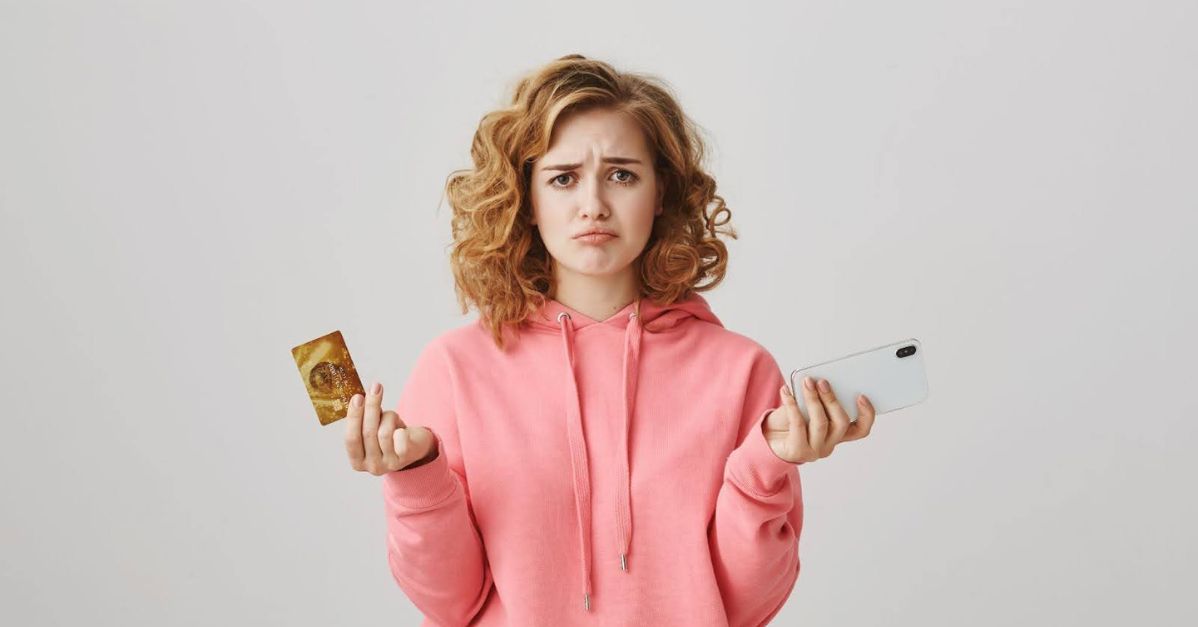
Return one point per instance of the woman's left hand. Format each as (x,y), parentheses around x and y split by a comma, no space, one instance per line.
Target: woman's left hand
(797,439)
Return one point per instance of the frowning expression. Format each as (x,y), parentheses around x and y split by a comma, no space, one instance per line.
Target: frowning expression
(597,177)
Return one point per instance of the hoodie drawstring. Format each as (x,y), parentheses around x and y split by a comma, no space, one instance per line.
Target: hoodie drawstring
(578,447)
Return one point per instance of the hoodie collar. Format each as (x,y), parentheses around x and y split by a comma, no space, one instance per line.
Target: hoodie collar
(653,317)
(641,315)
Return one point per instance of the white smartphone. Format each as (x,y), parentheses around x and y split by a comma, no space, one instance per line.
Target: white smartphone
(890,376)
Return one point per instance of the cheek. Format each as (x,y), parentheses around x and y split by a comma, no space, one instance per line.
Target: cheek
(542,208)
(645,219)
(551,221)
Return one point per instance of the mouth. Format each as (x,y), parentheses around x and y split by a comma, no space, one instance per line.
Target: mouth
(594,232)
(595,236)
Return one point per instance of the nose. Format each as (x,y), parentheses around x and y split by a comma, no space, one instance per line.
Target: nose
(591,203)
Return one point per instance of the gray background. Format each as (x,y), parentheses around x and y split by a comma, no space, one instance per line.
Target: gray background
(190,189)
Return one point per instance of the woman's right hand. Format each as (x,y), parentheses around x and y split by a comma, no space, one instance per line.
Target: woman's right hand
(379,442)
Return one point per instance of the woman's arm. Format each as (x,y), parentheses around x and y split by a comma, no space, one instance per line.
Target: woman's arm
(754,533)
(434,548)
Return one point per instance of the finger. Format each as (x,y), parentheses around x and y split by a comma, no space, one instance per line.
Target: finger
(370,426)
(817,420)
(797,439)
(839,418)
(796,422)
(779,421)
(401,441)
(353,433)
(419,443)
(388,423)
(864,422)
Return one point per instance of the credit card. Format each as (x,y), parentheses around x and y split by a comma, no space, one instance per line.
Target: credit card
(329,374)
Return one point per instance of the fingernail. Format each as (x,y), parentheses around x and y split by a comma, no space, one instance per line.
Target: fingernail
(374,389)
(823,385)
(356,401)
(786,390)
(809,383)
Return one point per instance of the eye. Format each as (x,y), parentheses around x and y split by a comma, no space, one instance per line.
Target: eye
(631,179)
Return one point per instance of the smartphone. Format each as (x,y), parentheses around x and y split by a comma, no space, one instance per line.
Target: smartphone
(890,376)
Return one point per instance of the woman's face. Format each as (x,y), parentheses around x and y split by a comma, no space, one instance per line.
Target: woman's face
(597,174)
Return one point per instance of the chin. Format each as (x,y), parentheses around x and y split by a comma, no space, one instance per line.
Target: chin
(595,272)
(597,269)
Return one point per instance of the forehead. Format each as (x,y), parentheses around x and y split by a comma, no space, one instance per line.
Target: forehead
(598,132)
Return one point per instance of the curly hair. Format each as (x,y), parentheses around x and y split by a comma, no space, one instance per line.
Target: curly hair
(499,262)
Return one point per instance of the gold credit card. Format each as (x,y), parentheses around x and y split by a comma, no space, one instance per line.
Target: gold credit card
(329,375)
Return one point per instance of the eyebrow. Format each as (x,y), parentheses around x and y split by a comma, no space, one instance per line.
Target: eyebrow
(571,166)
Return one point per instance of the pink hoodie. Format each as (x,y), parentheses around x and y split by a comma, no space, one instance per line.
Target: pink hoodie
(551,454)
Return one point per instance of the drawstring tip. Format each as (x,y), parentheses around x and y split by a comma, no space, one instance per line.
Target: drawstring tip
(586,601)
(623,563)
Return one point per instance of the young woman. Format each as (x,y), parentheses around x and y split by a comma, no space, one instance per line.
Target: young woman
(597,448)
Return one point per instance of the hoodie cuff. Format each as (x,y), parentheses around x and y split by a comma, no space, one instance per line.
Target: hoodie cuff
(423,486)
(754,466)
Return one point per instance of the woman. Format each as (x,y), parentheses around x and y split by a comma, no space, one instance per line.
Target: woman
(597,395)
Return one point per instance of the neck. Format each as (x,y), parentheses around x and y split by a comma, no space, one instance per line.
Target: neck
(597,297)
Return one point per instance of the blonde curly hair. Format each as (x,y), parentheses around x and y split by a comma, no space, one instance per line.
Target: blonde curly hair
(500,264)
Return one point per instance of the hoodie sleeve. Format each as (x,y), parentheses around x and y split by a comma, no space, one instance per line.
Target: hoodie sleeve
(754,533)
(434,548)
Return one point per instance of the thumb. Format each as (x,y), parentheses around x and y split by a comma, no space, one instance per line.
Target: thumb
(414,443)
(780,418)
(788,397)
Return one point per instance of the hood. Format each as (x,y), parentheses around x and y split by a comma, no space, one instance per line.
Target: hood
(636,318)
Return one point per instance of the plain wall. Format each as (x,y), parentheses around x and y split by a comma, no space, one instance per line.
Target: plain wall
(189,189)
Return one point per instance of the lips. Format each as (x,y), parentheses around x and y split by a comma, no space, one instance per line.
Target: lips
(595,238)
(595,234)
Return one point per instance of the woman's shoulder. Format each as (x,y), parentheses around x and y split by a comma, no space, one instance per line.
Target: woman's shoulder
(729,341)
(459,337)
(464,339)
